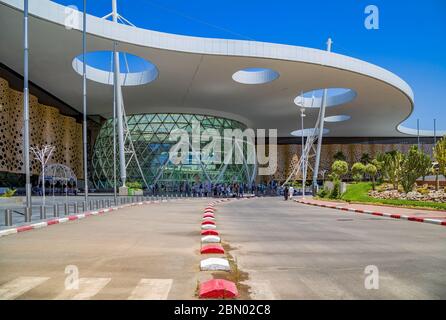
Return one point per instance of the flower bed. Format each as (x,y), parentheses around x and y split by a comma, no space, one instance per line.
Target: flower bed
(425,195)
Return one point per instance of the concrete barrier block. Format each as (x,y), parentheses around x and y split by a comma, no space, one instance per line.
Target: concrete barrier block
(215,264)
(210,239)
(218,289)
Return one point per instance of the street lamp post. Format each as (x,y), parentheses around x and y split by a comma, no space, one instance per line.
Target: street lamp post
(26,111)
(302,116)
(84,101)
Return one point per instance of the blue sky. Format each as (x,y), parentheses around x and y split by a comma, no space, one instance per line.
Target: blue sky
(410,42)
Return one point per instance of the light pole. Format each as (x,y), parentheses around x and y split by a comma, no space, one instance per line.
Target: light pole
(26,112)
(84,98)
(302,116)
(418,133)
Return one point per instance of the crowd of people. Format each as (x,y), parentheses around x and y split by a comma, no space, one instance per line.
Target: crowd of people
(208,189)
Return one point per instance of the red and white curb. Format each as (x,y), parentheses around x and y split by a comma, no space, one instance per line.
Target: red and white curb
(375,213)
(214,288)
(43,224)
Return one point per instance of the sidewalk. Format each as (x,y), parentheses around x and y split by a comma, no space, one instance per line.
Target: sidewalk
(417,215)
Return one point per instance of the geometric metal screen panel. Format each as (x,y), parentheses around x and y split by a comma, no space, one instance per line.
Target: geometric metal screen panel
(150,137)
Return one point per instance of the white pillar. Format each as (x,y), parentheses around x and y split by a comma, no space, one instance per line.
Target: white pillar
(302,115)
(321,129)
(84,100)
(114,146)
(26,106)
(43,180)
(118,97)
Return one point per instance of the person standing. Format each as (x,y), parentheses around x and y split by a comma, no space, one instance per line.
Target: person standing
(291,191)
(286,193)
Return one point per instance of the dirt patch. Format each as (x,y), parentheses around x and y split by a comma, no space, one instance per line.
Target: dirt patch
(236,275)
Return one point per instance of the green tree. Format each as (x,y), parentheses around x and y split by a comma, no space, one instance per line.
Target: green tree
(392,167)
(339,168)
(414,165)
(365,158)
(379,164)
(440,155)
(440,158)
(134,185)
(426,166)
(358,170)
(339,156)
(371,170)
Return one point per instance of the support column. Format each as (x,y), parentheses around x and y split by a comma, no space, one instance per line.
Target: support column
(114,147)
(302,116)
(84,100)
(118,97)
(321,130)
(26,107)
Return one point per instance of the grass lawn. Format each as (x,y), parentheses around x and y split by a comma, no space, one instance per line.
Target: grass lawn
(358,192)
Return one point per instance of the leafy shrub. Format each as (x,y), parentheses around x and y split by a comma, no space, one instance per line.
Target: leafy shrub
(134,185)
(423,190)
(323,193)
(357,177)
(9,193)
(339,168)
(371,170)
(440,155)
(365,158)
(358,170)
(339,156)
(336,192)
(413,166)
(392,167)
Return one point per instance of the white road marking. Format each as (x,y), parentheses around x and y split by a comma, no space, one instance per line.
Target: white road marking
(88,288)
(151,289)
(19,286)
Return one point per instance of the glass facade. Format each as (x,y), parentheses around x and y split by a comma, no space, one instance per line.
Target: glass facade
(150,134)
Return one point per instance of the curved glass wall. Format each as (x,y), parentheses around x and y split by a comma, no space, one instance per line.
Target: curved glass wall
(150,137)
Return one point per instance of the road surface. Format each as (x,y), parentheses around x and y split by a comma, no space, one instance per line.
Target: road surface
(287,250)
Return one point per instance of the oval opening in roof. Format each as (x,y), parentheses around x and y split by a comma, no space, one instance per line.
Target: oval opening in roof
(134,70)
(338,118)
(335,97)
(308,132)
(255,76)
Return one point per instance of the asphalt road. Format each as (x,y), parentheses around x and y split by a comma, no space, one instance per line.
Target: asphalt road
(285,251)
(142,252)
(294,251)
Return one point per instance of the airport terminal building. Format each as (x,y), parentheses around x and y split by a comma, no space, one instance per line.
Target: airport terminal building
(168,82)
